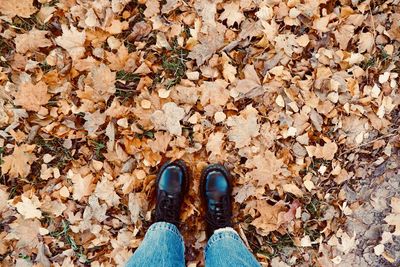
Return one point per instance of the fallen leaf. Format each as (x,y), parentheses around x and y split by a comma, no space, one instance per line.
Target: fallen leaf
(18,164)
(169,118)
(394,217)
(232,14)
(32,96)
(31,41)
(29,208)
(243,127)
(23,8)
(269,219)
(73,41)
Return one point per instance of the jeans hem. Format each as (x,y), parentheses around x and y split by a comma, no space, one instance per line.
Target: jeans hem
(166,226)
(222,235)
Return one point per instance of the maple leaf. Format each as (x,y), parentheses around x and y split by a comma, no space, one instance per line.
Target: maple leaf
(271,216)
(105,191)
(94,121)
(160,143)
(29,207)
(327,151)
(3,198)
(344,34)
(19,162)
(81,186)
(31,41)
(214,144)
(366,42)
(214,93)
(103,80)
(209,44)
(73,41)
(31,97)
(266,167)
(249,83)
(169,118)
(232,14)
(26,232)
(152,8)
(243,127)
(22,8)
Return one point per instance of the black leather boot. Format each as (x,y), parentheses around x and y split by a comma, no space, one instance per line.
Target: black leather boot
(216,189)
(171,185)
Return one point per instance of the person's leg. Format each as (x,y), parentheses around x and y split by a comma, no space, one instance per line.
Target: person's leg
(162,246)
(225,248)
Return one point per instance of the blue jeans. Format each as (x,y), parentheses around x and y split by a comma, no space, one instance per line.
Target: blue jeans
(163,246)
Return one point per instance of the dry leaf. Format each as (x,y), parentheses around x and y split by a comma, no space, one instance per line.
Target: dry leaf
(18,164)
(31,41)
(394,217)
(82,186)
(29,208)
(269,219)
(32,96)
(73,41)
(105,191)
(327,151)
(265,169)
(22,8)
(366,42)
(169,118)
(152,8)
(232,14)
(243,127)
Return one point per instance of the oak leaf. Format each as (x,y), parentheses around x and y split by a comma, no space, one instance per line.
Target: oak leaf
(19,162)
(32,96)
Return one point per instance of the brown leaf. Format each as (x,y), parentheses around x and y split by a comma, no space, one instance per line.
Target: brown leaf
(73,41)
(31,41)
(270,218)
(22,8)
(18,164)
(31,97)
(243,127)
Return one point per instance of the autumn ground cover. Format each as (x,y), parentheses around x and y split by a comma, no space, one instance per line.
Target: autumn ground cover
(298,98)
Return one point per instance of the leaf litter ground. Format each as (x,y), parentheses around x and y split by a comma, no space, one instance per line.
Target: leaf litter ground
(299,99)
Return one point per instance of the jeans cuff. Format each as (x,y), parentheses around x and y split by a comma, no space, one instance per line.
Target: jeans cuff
(223,233)
(160,226)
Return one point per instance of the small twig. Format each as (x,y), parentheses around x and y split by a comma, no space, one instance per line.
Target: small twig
(368,143)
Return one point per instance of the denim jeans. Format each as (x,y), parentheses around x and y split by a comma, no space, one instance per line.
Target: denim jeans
(163,246)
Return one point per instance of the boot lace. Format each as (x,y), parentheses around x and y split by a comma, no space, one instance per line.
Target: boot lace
(167,209)
(221,215)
